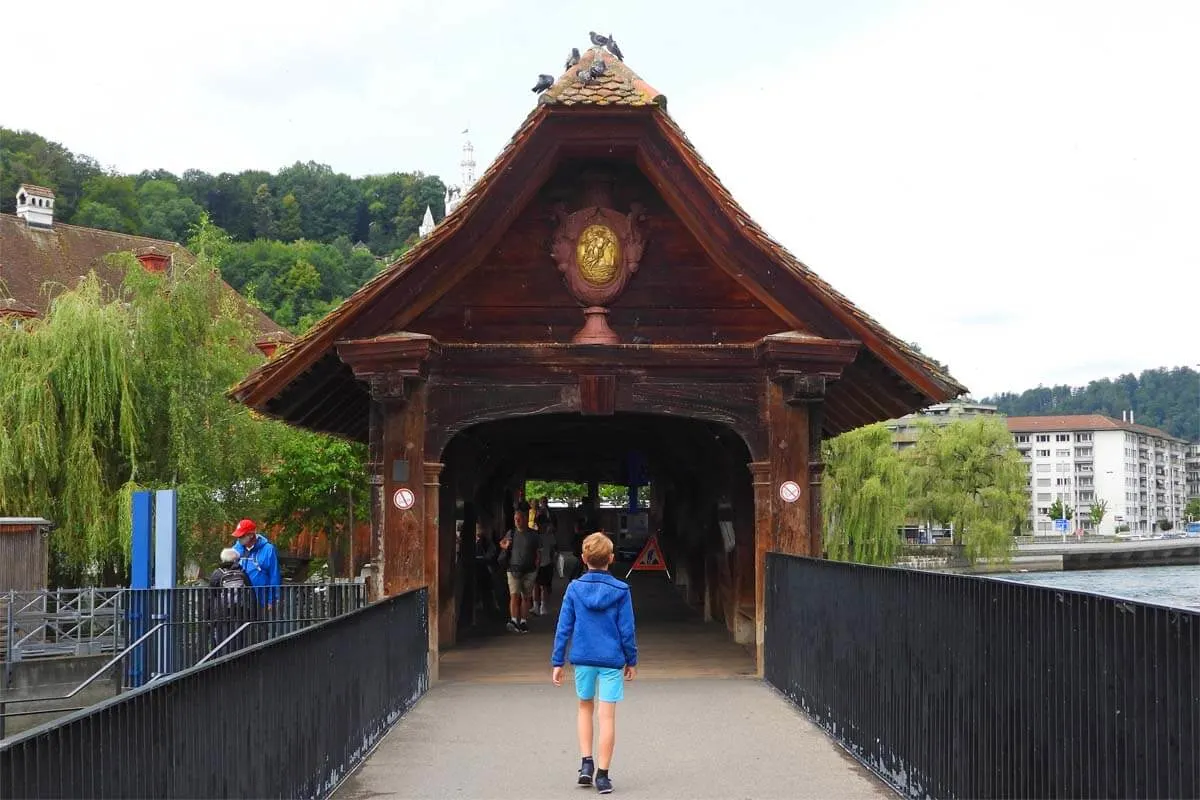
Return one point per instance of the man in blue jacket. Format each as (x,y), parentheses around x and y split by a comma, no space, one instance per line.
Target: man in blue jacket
(260,562)
(597,617)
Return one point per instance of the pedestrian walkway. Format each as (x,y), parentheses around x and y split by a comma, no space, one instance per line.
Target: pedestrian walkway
(695,724)
(688,738)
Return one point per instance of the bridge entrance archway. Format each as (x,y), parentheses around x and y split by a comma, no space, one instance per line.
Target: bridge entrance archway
(700,508)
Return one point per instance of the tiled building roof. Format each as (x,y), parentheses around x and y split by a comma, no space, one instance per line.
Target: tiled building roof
(1081,422)
(36,263)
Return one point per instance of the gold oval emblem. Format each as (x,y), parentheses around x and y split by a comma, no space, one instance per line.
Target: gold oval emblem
(597,254)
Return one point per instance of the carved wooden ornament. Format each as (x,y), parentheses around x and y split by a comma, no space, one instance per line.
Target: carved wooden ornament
(597,250)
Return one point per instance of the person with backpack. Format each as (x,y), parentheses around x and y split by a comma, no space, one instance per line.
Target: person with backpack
(231,601)
(519,558)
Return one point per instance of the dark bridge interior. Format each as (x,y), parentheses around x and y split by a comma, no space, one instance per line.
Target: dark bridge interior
(698,476)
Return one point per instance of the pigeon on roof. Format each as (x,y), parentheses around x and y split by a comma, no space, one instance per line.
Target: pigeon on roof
(572,59)
(612,48)
(544,82)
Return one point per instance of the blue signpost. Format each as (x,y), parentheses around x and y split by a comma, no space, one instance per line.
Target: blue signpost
(140,563)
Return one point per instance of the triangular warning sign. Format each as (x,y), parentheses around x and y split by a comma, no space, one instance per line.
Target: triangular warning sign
(650,559)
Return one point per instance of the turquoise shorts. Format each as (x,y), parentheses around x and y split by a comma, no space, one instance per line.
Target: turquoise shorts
(611,682)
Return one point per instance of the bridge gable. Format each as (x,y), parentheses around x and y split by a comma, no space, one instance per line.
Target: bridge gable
(678,294)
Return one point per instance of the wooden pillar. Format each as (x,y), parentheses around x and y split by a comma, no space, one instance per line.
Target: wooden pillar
(377,498)
(760,472)
(404,528)
(787,437)
(432,472)
(447,555)
(816,471)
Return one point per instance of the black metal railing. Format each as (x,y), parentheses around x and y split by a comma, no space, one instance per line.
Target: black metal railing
(198,619)
(286,718)
(955,686)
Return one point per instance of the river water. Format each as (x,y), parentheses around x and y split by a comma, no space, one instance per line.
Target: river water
(1167,586)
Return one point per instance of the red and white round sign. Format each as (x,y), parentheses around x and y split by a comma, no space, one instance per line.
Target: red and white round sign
(404,498)
(789,491)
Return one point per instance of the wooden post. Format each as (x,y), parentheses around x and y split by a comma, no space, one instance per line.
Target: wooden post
(432,479)
(761,478)
(787,436)
(816,471)
(377,499)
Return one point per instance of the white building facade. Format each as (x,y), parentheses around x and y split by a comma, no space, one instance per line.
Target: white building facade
(1136,472)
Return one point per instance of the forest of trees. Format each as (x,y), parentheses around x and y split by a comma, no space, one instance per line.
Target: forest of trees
(301,239)
(1168,399)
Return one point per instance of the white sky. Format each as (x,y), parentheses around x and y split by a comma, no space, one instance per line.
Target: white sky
(1014,185)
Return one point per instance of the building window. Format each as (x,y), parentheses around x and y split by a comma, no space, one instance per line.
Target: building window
(1043,437)
(1044,525)
(1044,511)
(1022,437)
(1062,453)
(1043,483)
(1062,437)
(1043,453)
(1043,497)
(1083,437)
(1043,467)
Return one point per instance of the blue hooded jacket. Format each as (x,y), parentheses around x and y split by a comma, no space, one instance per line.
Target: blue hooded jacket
(597,616)
(262,568)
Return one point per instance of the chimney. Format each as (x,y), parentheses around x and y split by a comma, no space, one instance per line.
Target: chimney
(35,205)
(1131,416)
(153,259)
(1123,416)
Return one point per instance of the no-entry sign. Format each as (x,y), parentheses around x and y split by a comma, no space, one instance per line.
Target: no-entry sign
(404,498)
(789,491)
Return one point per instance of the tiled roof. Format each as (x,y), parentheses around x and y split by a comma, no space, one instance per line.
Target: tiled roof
(36,191)
(1081,422)
(36,263)
(11,306)
(618,86)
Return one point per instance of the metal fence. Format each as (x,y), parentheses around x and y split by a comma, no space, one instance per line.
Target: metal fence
(956,686)
(286,718)
(44,622)
(93,621)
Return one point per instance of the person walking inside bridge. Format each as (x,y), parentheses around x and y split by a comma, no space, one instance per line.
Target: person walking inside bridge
(518,555)
(597,618)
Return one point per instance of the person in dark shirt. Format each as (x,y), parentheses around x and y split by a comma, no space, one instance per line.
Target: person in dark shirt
(485,567)
(518,555)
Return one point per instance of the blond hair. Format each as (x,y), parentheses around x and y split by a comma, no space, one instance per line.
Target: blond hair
(597,550)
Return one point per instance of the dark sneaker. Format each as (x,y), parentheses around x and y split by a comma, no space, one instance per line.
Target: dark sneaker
(514,626)
(523,626)
(586,771)
(603,784)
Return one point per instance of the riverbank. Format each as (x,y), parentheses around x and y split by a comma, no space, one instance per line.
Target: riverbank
(1059,557)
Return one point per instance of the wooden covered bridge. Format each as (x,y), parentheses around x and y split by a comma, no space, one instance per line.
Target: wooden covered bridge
(597,292)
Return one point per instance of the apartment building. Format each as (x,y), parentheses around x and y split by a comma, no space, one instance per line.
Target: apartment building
(906,429)
(1083,459)
(1192,465)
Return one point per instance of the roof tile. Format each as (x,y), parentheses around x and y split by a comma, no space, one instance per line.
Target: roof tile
(629,88)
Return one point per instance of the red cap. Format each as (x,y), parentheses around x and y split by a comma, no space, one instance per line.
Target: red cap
(244,527)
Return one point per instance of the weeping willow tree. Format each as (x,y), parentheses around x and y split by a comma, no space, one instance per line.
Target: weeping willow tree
(864,496)
(969,475)
(117,389)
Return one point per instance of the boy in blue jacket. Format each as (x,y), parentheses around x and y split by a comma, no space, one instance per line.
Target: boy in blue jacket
(597,616)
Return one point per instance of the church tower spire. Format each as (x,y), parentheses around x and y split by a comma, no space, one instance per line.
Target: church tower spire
(454,194)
